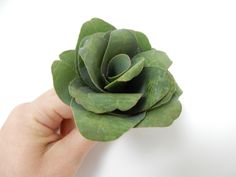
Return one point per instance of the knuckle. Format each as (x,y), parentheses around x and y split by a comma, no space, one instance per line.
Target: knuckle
(14,120)
(21,108)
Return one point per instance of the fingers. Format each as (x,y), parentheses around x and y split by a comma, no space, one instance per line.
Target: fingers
(73,140)
(66,126)
(38,120)
(71,149)
(49,110)
(54,114)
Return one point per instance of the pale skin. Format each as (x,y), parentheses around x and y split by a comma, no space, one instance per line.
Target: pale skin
(40,139)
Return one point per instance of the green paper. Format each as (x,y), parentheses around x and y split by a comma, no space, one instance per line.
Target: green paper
(103,127)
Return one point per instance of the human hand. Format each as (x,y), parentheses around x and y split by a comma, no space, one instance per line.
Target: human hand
(39,139)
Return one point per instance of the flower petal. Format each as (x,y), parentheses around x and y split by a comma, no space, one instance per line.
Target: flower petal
(117,66)
(68,57)
(103,127)
(102,102)
(120,42)
(169,95)
(162,116)
(92,26)
(91,52)
(154,58)
(154,83)
(142,40)
(118,84)
(62,74)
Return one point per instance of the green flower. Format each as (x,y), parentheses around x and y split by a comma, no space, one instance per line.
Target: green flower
(114,80)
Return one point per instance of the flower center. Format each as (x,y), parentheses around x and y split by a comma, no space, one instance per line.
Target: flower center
(117,66)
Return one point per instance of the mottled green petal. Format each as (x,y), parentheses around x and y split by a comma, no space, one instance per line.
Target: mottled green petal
(92,26)
(170,93)
(178,90)
(102,102)
(162,116)
(154,58)
(82,70)
(134,71)
(62,74)
(91,52)
(69,57)
(154,83)
(102,127)
(143,42)
(120,41)
(117,66)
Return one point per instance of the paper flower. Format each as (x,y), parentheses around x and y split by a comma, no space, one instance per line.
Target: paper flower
(114,80)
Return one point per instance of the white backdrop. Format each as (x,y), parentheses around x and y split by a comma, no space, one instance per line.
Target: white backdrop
(199,36)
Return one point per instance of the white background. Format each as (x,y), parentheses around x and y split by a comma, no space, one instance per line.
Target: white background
(199,36)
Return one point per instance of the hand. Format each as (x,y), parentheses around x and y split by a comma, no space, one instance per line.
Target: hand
(39,139)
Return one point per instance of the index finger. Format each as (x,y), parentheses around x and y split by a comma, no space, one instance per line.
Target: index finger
(50,110)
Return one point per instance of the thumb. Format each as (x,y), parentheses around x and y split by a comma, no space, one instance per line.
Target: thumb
(54,114)
(69,151)
(72,148)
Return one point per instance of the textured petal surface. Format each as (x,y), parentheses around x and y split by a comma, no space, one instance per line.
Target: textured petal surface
(91,52)
(102,102)
(92,26)
(142,40)
(68,57)
(117,66)
(120,42)
(154,83)
(154,58)
(62,74)
(119,83)
(103,127)
(162,116)
(170,93)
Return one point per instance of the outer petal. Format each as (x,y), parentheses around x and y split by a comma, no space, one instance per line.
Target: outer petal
(62,74)
(142,40)
(102,102)
(154,83)
(162,116)
(92,26)
(91,52)
(169,95)
(83,72)
(68,57)
(154,58)
(102,127)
